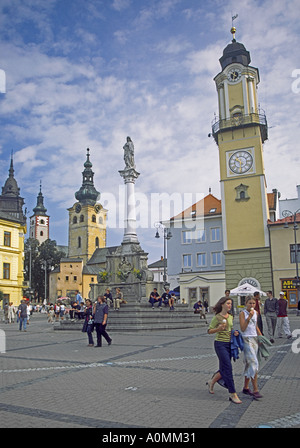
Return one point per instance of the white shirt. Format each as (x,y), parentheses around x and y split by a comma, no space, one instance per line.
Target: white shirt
(251,327)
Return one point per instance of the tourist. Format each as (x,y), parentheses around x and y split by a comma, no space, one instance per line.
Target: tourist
(88,325)
(198,309)
(166,297)
(250,331)
(100,312)
(155,298)
(22,312)
(118,299)
(221,325)
(257,309)
(271,312)
(282,318)
(11,313)
(108,297)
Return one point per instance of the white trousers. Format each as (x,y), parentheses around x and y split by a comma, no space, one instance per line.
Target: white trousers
(283,324)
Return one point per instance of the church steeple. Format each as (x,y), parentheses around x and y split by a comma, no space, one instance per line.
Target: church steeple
(10,200)
(40,209)
(39,222)
(87,194)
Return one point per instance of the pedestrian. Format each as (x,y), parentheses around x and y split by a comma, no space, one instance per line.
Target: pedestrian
(11,313)
(271,312)
(227,294)
(57,311)
(51,314)
(257,308)
(250,332)
(62,311)
(79,298)
(282,318)
(118,299)
(221,324)
(100,312)
(88,325)
(6,313)
(22,312)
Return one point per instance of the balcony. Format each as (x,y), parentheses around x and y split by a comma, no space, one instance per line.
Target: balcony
(241,121)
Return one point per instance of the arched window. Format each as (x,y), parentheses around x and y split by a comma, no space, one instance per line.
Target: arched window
(81,218)
(97,242)
(94,218)
(75,220)
(79,242)
(41,233)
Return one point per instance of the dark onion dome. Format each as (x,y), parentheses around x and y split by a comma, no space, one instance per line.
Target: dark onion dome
(87,194)
(235,52)
(40,209)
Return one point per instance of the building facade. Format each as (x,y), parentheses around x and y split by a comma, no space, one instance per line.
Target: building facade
(12,233)
(195,252)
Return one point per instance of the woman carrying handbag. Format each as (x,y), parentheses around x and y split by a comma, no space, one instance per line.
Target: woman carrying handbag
(88,325)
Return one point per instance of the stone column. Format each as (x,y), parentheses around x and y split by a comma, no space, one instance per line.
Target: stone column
(130,176)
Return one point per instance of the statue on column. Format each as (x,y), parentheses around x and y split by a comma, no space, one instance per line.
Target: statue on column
(129,154)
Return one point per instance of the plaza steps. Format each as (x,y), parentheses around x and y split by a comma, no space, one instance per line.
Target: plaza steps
(141,317)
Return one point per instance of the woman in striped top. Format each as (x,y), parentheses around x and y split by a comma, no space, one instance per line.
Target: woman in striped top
(221,325)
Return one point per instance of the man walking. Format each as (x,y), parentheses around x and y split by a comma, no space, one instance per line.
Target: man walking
(22,312)
(271,312)
(282,319)
(100,312)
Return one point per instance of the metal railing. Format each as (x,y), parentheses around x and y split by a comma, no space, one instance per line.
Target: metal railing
(239,121)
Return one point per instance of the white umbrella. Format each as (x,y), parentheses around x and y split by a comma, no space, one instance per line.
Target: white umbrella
(246,289)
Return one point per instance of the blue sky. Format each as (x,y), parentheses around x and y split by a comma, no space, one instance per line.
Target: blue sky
(89,73)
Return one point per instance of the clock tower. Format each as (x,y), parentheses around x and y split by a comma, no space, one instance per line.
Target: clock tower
(240,132)
(87,218)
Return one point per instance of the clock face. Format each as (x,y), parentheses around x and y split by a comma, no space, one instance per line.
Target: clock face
(234,75)
(240,162)
(78,208)
(97,208)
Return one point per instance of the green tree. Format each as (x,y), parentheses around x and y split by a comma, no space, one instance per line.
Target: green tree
(45,255)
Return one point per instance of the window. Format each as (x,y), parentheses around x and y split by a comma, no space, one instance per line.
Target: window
(67,278)
(200,235)
(187,236)
(215,233)
(216,258)
(75,220)
(94,218)
(7,238)
(41,233)
(79,242)
(97,242)
(187,261)
(81,218)
(201,259)
(75,278)
(42,221)
(293,253)
(6,271)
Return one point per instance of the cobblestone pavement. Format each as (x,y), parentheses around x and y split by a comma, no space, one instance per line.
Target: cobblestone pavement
(52,379)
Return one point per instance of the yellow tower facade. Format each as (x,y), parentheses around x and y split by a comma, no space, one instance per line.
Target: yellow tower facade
(240,132)
(87,218)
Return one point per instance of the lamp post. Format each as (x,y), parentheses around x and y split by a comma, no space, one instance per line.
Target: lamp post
(288,214)
(166,235)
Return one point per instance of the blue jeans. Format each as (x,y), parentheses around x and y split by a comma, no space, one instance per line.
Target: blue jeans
(153,301)
(23,321)
(225,368)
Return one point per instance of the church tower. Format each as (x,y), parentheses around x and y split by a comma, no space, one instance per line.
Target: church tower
(87,218)
(39,221)
(240,132)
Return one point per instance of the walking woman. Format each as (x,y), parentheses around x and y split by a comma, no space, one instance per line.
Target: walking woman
(250,331)
(88,325)
(221,325)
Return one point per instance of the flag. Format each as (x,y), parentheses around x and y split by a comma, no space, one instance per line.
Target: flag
(234,17)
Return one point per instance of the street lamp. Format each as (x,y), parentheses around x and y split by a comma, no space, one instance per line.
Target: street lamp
(288,214)
(166,235)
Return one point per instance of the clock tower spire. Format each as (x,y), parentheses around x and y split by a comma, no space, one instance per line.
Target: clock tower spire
(240,131)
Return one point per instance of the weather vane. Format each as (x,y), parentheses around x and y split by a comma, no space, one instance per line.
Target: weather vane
(233,29)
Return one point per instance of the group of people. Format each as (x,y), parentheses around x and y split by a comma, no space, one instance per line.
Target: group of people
(116,301)
(249,338)
(167,298)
